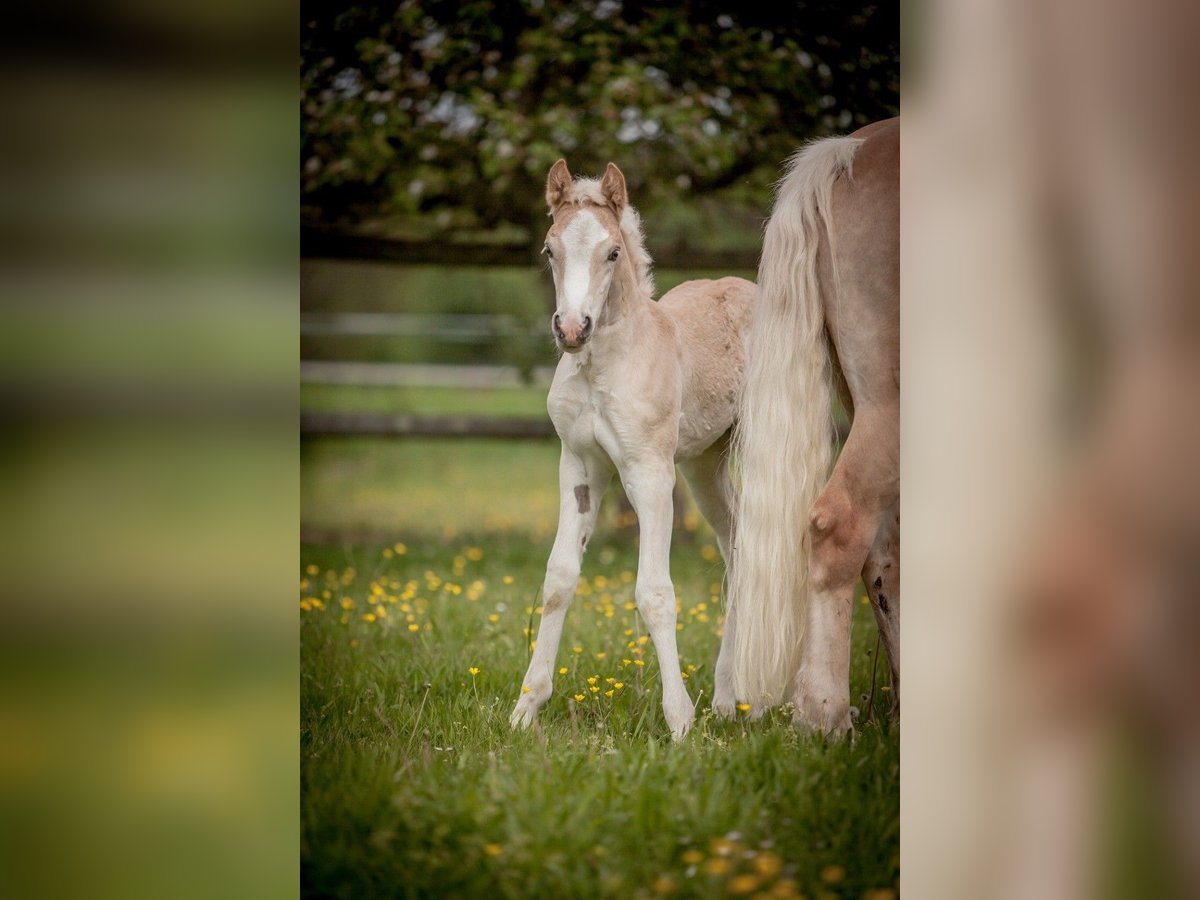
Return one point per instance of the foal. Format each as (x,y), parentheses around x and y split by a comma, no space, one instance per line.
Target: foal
(642,386)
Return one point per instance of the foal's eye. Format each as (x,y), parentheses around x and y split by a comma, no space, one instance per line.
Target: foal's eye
(548,251)
(616,251)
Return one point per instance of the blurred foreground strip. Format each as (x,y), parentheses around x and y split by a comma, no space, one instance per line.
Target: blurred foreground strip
(1052,212)
(148,468)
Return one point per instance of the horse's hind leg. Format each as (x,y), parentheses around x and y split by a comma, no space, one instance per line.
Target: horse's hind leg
(881,575)
(845,521)
(581,485)
(713,490)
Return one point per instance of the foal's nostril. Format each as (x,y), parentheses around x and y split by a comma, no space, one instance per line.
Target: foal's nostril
(587,324)
(556,324)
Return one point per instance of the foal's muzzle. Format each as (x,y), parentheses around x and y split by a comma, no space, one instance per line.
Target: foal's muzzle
(571,335)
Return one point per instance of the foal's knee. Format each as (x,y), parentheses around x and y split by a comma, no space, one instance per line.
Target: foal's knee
(656,603)
(559,587)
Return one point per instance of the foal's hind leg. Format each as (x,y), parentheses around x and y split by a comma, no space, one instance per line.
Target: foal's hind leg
(881,575)
(713,490)
(581,485)
(845,521)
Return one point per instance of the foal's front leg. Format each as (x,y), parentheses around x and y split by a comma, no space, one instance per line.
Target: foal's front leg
(649,488)
(581,484)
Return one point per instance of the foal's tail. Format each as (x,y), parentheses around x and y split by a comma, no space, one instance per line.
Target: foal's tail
(784,437)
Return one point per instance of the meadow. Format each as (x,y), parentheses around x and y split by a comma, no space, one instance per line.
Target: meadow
(412,652)
(421,566)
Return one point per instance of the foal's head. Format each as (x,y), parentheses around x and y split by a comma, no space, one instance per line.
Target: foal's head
(588,250)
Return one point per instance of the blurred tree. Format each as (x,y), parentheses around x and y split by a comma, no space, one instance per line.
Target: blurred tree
(454,110)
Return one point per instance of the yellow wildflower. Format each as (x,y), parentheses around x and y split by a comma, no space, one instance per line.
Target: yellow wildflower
(742,884)
(744,707)
(473,671)
(691,857)
(768,864)
(525,689)
(563,670)
(414,627)
(493,849)
(717,866)
(833,874)
(579,697)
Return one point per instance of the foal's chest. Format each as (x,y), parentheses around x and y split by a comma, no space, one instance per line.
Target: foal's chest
(581,418)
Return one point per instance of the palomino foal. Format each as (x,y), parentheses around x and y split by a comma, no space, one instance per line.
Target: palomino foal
(642,386)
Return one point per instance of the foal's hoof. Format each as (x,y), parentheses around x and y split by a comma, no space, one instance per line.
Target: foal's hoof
(524,715)
(680,720)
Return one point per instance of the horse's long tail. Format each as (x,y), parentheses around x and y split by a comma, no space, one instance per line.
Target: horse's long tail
(784,437)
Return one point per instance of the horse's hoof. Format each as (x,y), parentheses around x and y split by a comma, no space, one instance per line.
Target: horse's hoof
(825,717)
(725,708)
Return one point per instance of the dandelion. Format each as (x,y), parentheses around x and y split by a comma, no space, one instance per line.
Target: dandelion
(563,670)
(639,662)
(692,857)
(493,849)
(311,570)
(493,618)
(618,685)
(579,698)
(576,649)
(473,671)
(601,655)
(594,689)
(863,600)
(400,549)
(413,626)
(525,689)
(474,554)
(353,642)
(592,680)
(743,707)
(507,579)
(347,603)
(368,617)
(387,553)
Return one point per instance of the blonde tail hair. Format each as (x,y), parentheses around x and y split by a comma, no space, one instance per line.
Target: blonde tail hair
(783,443)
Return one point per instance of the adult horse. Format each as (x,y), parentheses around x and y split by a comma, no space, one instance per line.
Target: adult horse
(827,318)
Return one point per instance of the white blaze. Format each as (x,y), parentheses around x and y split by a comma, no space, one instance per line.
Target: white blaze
(580,240)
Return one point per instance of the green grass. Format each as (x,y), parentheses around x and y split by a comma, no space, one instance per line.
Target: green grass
(521,402)
(413,784)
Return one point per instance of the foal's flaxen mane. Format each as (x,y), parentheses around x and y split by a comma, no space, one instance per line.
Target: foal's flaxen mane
(585,192)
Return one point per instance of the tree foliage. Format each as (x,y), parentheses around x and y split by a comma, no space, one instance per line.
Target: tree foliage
(455,110)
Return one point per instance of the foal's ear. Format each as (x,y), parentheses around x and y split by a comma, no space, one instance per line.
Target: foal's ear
(558,185)
(612,188)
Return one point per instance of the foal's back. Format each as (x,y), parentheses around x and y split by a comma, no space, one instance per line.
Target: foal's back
(711,320)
